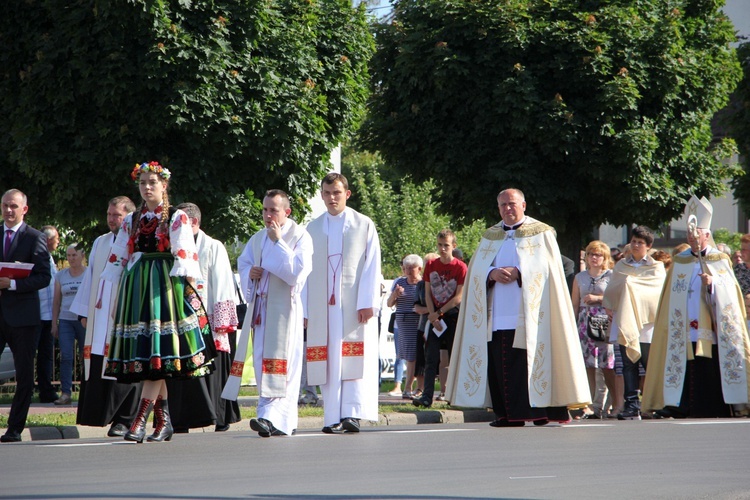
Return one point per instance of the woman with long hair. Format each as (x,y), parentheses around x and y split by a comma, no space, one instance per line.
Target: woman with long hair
(161,328)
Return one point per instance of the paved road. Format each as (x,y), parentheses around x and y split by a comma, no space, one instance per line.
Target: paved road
(648,459)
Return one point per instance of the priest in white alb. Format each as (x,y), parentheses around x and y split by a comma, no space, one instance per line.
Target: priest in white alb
(273,268)
(217,291)
(700,350)
(516,347)
(102,401)
(343,302)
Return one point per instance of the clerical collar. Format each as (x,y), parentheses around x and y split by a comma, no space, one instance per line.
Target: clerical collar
(703,252)
(514,226)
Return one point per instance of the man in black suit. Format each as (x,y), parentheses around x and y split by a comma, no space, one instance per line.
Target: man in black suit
(19,303)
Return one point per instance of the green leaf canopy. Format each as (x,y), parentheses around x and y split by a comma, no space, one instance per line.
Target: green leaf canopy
(599,111)
(234,97)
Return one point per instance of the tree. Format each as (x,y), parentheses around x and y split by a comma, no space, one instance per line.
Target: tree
(406,219)
(598,110)
(233,96)
(738,121)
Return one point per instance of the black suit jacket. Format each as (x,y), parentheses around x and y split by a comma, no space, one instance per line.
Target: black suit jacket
(20,307)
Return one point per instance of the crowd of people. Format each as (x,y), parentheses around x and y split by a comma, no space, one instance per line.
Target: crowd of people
(512,350)
(155,316)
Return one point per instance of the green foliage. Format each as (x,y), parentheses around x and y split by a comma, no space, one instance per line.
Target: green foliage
(407,220)
(723,235)
(598,110)
(739,126)
(233,96)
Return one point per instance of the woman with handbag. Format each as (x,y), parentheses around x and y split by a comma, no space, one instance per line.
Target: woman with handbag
(593,323)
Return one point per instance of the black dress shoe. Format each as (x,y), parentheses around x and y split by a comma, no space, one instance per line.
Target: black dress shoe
(333,429)
(117,430)
(350,424)
(11,437)
(541,422)
(221,428)
(263,427)
(423,402)
(48,398)
(503,422)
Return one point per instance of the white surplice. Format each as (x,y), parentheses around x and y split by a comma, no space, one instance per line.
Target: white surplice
(356,398)
(99,319)
(292,265)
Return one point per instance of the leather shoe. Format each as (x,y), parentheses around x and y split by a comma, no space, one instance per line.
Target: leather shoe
(263,427)
(333,429)
(350,424)
(117,430)
(11,437)
(423,401)
(221,428)
(541,422)
(503,422)
(63,400)
(48,398)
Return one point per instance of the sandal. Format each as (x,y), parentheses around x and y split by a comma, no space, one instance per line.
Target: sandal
(416,394)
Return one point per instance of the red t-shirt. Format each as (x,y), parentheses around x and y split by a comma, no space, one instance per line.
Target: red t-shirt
(444,279)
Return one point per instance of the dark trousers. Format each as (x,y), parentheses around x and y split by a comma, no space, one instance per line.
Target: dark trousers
(432,353)
(702,394)
(44,358)
(507,379)
(22,342)
(631,377)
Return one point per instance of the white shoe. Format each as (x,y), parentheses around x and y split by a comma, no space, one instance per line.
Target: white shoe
(441,397)
(395,393)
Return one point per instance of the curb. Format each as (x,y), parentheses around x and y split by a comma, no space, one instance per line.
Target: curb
(384,419)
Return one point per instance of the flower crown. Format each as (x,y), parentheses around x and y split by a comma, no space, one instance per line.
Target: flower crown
(150,167)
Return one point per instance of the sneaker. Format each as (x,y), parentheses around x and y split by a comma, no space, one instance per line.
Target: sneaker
(395,394)
(407,395)
(308,399)
(629,414)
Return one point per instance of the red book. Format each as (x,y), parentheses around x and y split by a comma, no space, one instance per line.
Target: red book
(15,270)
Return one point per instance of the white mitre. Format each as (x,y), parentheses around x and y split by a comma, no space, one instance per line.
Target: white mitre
(701,209)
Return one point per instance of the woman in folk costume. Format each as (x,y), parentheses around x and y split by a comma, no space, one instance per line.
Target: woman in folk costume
(160,328)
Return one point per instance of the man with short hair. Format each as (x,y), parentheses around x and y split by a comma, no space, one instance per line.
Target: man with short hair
(444,283)
(46,347)
(516,337)
(102,401)
(216,289)
(699,358)
(343,302)
(633,297)
(273,268)
(19,303)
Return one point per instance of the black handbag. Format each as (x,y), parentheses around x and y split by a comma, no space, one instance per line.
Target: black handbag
(597,326)
(392,323)
(241,307)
